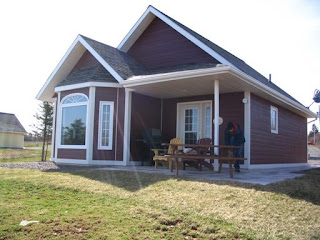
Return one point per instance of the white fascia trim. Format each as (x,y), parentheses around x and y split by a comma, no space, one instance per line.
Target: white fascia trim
(166,77)
(101,60)
(250,80)
(57,68)
(132,30)
(85,85)
(180,30)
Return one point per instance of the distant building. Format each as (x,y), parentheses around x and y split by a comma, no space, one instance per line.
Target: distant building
(11,131)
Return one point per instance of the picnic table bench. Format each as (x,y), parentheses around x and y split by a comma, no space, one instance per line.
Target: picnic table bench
(225,155)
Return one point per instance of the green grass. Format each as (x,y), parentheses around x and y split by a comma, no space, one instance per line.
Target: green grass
(8,155)
(95,204)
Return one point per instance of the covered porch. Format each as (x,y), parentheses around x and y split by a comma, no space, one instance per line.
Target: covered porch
(191,104)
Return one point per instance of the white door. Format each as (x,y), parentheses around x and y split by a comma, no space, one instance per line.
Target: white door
(194,121)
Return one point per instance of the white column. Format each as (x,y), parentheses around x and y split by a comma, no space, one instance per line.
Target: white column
(127,126)
(53,133)
(57,123)
(247,128)
(216,122)
(90,124)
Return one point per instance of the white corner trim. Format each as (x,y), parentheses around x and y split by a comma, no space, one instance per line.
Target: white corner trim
(90,123)
(57,127)
(247,129)
(53,134)
(87,84)
(101,60)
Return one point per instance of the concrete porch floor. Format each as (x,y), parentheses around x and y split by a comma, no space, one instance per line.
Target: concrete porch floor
(255,176)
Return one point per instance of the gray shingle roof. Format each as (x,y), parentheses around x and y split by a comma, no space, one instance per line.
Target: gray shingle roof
(10,123)
(127,67)
(91,74)
(237,62)
(121,62)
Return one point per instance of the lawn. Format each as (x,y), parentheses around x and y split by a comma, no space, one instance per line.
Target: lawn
(31,153)
(101,204)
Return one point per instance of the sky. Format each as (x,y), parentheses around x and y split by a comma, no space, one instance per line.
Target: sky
(281,37)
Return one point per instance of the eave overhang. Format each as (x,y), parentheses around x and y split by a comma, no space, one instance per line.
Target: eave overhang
(201,82)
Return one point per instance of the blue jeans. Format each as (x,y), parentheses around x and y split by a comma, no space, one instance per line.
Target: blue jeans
(237,152)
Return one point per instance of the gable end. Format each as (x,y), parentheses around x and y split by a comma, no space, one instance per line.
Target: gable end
(161,46)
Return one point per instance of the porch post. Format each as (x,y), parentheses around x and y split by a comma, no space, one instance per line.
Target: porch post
(216,121)
(247,129)
(90,124)
(127,126)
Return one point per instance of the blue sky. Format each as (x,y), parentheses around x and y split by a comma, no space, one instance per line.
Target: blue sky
(277,37)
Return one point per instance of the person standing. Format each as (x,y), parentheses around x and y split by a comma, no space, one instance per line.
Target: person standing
(233,136)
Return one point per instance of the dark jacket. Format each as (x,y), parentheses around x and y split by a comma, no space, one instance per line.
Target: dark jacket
(237,134)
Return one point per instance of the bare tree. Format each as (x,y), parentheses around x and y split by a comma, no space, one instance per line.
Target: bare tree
(44,126)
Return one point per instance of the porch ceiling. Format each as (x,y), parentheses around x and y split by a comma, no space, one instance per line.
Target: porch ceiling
(194,86)
(197,83)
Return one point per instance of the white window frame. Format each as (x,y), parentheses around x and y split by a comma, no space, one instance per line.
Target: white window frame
(272,108)
(100,146)
(60,120)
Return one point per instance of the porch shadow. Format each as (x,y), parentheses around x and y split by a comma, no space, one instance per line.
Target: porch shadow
(305,187)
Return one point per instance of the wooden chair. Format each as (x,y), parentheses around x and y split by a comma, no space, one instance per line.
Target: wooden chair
(159,153)
(198,163)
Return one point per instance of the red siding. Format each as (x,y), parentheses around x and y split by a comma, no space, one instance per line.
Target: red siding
(288,146)
(146,113)
(79,154)
(110,94)
(169,122)
(162,46)
(231,109)
(87,60)
(80,90)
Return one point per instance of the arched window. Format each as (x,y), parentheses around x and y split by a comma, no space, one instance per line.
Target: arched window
(73,120)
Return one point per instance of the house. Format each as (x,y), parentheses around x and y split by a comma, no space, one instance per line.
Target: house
(165,76)
(11,131)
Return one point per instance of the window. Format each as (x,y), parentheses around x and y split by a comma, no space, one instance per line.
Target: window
(274,119)
(105,125)
(73,121)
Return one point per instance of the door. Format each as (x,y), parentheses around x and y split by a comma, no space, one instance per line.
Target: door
(194,121)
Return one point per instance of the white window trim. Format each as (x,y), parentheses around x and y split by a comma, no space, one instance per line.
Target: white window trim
(272,108)
(100,146)
(60,121)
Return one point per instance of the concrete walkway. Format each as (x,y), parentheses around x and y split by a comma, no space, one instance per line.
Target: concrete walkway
(255,176)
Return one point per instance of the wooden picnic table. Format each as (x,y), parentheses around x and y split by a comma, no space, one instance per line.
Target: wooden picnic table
(223,157)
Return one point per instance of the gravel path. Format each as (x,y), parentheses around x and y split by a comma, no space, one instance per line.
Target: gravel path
(46,166)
